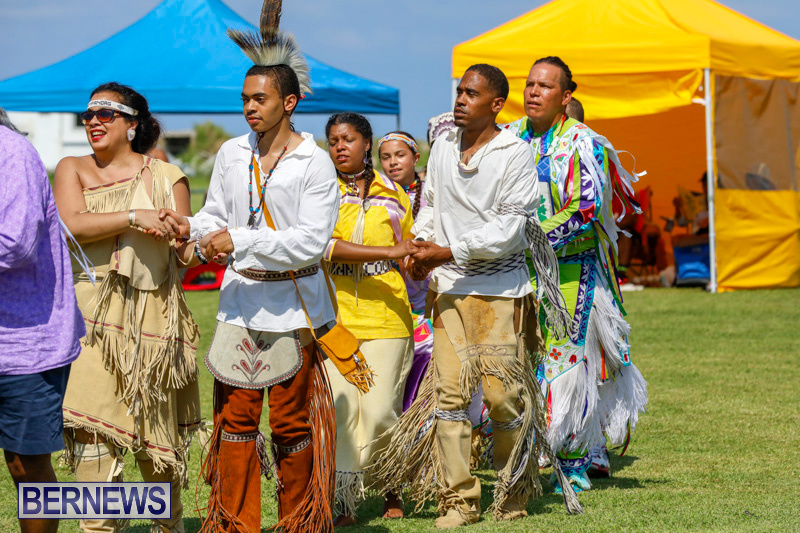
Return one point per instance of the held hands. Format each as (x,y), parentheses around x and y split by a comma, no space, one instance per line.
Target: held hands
(415,270)
(217,246)
(176,221)
(149,222)
(403,249)
(430,255)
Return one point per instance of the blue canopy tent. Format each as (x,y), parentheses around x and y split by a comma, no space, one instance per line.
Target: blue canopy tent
(180,58)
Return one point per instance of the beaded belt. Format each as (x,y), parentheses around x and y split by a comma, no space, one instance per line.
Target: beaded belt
(370,269)
(275,275)
(490,267)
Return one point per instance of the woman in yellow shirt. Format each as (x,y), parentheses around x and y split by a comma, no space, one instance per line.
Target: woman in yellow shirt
(371,237)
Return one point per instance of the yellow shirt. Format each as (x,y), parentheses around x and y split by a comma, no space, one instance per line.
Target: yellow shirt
(382,310)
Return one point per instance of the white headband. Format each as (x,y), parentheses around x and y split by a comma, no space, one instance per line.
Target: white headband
(113,105)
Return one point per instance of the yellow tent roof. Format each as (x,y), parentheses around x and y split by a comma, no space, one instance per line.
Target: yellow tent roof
(740,46)
(632,57)
(635,36)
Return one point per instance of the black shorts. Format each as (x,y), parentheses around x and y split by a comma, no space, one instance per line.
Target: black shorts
(31,422)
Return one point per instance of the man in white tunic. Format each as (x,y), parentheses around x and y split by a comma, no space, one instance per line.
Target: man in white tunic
(262,340)
(473,234)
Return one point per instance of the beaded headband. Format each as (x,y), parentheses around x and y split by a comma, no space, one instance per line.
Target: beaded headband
(110,104)
(399,137)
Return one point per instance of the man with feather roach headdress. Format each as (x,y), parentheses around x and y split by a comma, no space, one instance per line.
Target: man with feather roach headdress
(272,205)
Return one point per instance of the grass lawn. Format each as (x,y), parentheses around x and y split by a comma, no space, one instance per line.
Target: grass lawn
(718,450)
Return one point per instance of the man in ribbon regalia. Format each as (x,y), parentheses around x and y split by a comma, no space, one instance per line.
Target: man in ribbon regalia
(270,178)
(473,233)
(589,383)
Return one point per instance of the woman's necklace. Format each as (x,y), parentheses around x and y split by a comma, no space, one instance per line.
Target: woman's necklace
(350,181)
(255,166)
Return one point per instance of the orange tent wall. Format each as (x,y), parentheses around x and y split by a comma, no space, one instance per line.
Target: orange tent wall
(670,146)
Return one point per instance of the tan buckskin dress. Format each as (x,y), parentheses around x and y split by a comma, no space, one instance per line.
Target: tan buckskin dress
(135,382)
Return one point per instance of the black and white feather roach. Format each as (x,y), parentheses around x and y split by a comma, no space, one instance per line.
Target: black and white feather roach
(273,46)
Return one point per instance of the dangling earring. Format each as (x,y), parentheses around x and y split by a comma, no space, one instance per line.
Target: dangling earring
(131,134)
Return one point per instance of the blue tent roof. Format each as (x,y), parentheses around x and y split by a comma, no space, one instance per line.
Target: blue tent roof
(179,57)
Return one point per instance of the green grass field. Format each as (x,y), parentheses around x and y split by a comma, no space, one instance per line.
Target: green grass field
(718,450)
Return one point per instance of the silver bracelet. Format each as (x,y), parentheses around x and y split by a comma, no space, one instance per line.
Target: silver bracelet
(132,218)
(199,253)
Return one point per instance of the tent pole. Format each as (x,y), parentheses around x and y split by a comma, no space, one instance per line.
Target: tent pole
(710,179)
(397,122)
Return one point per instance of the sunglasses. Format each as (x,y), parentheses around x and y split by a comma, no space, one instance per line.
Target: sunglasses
(103,115)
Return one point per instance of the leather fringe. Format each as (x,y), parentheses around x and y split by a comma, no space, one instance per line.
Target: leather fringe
(349,491)
(520,476)
(412,461)
(315,513)
(361,377)
(217,514)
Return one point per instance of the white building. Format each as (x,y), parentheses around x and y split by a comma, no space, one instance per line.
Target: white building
(54,135)
(58,135)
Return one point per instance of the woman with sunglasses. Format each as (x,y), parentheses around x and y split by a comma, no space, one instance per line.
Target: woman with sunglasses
(372,233)
(134,386)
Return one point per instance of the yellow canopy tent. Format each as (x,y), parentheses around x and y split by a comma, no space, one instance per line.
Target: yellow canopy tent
(687,86)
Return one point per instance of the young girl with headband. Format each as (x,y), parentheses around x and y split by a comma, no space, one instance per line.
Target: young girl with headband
(399,154)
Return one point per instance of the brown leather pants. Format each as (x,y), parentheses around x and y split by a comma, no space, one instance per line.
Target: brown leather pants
(237,413)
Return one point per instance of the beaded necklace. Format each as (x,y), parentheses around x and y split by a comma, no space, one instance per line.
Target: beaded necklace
(410,188)
(256,167)
(350,181)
